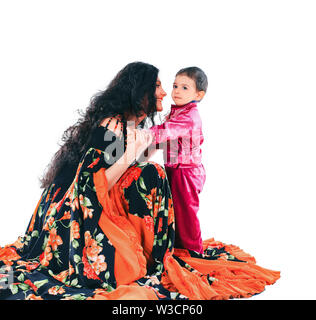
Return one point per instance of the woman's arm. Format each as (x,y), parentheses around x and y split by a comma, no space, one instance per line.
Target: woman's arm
(114,173)
(137,142)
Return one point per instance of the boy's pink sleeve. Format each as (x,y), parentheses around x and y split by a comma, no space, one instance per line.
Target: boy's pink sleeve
(172,129)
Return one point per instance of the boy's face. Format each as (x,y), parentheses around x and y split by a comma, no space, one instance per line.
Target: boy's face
(184,91)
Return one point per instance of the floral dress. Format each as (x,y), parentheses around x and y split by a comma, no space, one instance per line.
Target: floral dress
(84,242)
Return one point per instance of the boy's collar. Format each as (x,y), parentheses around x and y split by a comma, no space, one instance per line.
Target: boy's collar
(188,105)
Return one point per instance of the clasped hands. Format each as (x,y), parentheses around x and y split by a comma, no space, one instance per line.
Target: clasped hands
(138,141)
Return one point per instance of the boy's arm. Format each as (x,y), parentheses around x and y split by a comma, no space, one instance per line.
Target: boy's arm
(172,129)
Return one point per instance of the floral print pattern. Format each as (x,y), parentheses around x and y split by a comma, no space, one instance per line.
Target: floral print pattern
(76,244)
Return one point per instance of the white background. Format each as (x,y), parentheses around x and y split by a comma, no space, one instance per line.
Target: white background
(258,115)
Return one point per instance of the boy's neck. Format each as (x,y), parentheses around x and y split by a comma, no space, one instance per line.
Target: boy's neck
(181,106)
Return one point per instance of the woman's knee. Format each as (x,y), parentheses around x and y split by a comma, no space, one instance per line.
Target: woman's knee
(148,174)
(153,170)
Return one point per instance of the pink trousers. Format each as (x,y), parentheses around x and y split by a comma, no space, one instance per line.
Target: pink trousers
(186,184)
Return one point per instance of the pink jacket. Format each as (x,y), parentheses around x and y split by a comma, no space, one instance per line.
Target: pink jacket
(183,133)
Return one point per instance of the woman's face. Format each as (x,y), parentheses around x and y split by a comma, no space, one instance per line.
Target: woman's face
(160,94)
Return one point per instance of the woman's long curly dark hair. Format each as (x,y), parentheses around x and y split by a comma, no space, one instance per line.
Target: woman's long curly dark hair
(131,92)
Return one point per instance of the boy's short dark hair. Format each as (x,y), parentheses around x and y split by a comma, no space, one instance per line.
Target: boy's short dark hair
(197,75)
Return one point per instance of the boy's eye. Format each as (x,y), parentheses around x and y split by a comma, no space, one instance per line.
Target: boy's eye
(185,88)
(175,86)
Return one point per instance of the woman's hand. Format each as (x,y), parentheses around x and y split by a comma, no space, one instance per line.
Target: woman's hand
(137,142)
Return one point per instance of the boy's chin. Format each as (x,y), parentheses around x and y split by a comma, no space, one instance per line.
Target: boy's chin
(180,103)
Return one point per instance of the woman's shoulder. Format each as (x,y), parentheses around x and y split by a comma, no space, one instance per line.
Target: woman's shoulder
(106,133)
(114,124)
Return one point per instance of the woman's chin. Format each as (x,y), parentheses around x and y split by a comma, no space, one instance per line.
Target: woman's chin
(159,107)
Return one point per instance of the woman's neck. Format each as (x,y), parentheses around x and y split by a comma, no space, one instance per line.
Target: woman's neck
(135,120)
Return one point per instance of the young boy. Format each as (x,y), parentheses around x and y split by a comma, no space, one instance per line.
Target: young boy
(182,131)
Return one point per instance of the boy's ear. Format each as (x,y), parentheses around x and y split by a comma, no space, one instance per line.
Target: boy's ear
(200,95)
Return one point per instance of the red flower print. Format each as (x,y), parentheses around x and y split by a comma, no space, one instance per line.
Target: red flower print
(46,256)
(32,266)
(32,285)
(55,194)
(99,265)
(62,276)
(33,297)
(150,198)
(48,195)
(49,223)
(56,290)
(87,212)
(133,174)
(149,223)
(160,225)
(28,264)
(18,243)
(161,172)
(87,268)
(74,230)
(54,239)
(91,246)
(59,204)
(66,216)
(170,212)
(7,254)
(74,204)
(94,163)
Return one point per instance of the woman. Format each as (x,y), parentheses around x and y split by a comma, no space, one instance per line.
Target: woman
(103,227)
